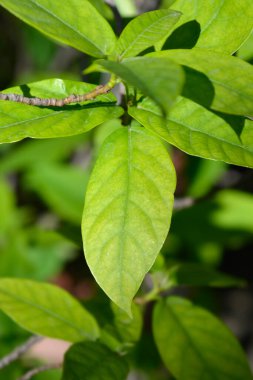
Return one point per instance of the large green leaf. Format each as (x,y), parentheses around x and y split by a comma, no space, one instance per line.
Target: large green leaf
(224,25)
(215,80)
(144,31)
(93,361)
(18,120)
(195,345)
(71,22)
(46,310)
(142,73)
(200,132)
(127,211)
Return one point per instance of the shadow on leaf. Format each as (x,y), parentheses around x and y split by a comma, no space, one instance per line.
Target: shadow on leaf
(184,37)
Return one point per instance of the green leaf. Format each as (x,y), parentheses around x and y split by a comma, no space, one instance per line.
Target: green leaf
(203,175)
(144,31)
(214,80)
(127,211)
(46,310)
(77,25)
(128,329)
(18,120)
(93,361)
(233,210)
(166,3)
(62,187)
(224,25)
(102,8)
(127,8)
(198,131)
(246,50)
(163,88)
(27,154)
(224,220)
(195,274)
(195,345)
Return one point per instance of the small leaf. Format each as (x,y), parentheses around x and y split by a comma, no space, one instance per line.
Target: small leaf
(128,329)
(24,156)
(93,361)
(103,8)
(200,132)
(163,88)
(127,8)
(18,121)
(144,31)
(195,345)
(224,220)
(127,211)
(62,187)
(77,25)
(46,310)
(218,81)
(224,25)
(246,50)
(200,275)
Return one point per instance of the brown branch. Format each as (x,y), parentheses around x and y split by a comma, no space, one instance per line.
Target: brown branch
(19,351)
(52,102)
(35,371)
(181,203)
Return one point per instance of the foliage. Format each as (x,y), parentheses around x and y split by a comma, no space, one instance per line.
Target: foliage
(182,86)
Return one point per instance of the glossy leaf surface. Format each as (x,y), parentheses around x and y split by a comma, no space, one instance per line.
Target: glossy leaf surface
(18,120)
(215,80)
(224,25)
(46,310)
(141,72)
(93,361)
(197,131)
(72,23)
(195,345)
(144,31)
(127,211)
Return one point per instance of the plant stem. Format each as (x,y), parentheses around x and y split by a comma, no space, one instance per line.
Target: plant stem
(35,371)
(19,351)
(47,102)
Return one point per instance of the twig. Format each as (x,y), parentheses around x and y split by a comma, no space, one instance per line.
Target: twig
(19,351)
(181,203)
(35,371)
(47,102)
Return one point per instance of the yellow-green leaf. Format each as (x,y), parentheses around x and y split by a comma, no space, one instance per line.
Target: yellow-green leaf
(127,211)
(18,120)
(77,24)
(47,310)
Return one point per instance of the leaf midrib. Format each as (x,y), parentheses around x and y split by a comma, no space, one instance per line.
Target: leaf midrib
(125,206)
(212,19)
(67,25)
(191,341)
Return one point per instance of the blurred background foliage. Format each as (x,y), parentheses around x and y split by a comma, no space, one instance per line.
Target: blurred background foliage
(42,188)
